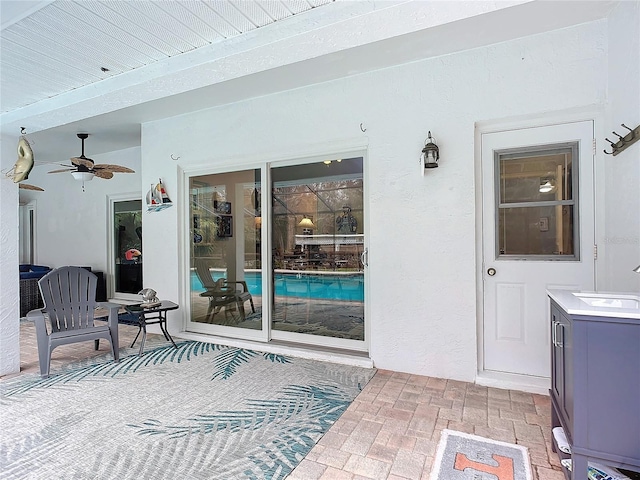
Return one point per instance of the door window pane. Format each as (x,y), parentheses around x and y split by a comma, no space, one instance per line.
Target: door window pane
(536,201)
(225,221)
(536,230)
(318,239)
(536,178)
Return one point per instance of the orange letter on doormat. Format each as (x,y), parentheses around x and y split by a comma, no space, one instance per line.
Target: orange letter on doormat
(504,470)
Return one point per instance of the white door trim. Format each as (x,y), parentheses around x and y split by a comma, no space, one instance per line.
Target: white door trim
(27,222)
(596,115)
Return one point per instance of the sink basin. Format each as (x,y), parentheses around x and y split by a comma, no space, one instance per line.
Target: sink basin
(610,300)
(620,305)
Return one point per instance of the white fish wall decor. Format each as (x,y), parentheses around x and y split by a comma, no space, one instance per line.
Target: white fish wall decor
(24,164)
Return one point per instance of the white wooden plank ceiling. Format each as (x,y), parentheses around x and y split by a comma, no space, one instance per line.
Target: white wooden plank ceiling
(68,44)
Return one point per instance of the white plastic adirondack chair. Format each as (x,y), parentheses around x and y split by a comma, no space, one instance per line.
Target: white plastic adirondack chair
(69,295)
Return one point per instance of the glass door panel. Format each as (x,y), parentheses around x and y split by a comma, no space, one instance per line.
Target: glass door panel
(317,227)
(127,222)
(225,257)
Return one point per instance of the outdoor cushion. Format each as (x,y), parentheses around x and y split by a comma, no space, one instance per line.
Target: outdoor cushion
(33,271)
(27,275)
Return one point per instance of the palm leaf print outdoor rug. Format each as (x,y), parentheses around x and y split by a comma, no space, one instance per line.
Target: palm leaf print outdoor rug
(199,411)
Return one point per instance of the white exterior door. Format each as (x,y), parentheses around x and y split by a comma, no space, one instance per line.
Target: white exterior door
(538,233)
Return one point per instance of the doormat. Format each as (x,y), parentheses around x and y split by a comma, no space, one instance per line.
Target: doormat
(462,456)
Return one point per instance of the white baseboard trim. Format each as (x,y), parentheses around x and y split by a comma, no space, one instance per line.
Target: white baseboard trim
(510,381)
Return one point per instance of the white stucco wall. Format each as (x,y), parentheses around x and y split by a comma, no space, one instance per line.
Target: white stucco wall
(9,284)
(72,225)
(421,230)
(622,172)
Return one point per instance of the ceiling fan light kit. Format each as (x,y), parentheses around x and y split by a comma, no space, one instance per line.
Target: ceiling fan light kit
(83,176)
(84,169)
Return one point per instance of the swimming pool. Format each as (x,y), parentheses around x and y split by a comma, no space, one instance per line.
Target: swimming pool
(346,287)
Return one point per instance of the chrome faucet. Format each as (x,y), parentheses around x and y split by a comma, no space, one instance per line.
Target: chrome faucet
(637,269)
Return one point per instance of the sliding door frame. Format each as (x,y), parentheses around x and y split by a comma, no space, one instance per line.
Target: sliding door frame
(319,340)
(267,334)
(185,258)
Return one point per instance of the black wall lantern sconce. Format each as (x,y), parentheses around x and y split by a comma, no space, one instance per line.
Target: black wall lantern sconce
(430,154)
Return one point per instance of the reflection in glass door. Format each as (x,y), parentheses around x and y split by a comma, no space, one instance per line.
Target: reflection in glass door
(226,268)
(127,242)
(317,226)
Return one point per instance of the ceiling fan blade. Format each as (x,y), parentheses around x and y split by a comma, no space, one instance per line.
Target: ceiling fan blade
(26,186)
(113,168)
(85,162)
(106,174)
(62,170)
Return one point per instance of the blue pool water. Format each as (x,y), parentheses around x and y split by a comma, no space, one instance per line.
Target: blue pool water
(307,285)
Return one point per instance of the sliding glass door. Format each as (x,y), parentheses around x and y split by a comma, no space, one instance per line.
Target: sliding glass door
(225,251)
(310,288)
(126,255)
(318,250)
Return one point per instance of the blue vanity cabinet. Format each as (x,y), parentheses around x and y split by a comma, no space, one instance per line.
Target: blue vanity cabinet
(595,388)
(562,363)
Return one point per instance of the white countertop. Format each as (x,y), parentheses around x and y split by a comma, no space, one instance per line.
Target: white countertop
(602,303)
